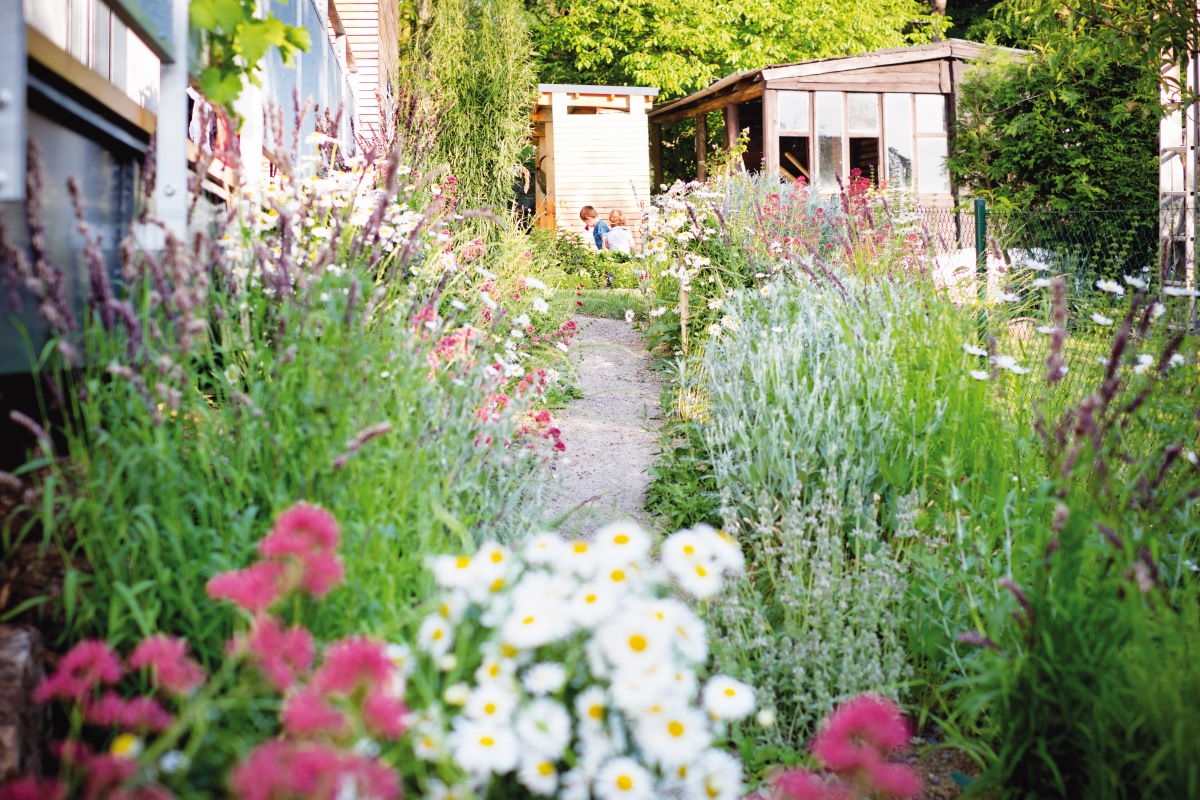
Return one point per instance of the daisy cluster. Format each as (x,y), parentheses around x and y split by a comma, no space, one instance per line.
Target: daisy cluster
(586,678)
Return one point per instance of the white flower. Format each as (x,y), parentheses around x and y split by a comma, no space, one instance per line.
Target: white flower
(972,350)
(727,699)
(534,623)
(594,603)
(1144,362)
(674,736)
(1179,291)
(632,640)
(715,303)
(428,741)
(488,300)
(1008,297)
(482,747)
(642,690)
(540,305)
(729,322)
(544,678)
(458,304)
(622,543)
(575,785)
(980,375)
(765,718)
(591,707)
(658,312)
(454,572)
(1135,282)
(561,346)
(1110,286)
(1046,330)
(1041,283)
(1008,363)
(435,635)
(522,321)
(700,579)
(494,668)
(456,694)
(765,290)
(173,761)
(629,315)
(1156,311)
(716,776)
(538,775)
(714,329)
(776,329)
(1176,360)
(534,283)
(494,702)
(624,779)
(544,728)
(1100,319)
(1191,457)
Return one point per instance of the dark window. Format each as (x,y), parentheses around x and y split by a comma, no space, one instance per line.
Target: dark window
(793,157)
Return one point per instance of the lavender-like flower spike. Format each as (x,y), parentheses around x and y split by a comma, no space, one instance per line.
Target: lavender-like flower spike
(1022,598)
(977,639)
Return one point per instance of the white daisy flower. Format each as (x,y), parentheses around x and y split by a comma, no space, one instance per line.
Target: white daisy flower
(1144,362)
(580,558)
(622,543)
(633,640)
(1136,282)
(544,678)
(1110,286)
(453,572)
(980,375)
(495,669)
(1179,291)
(728,699)
(972,350)
(1008,297)
(428,741)
(540,305)
(546,549)
(1176,360)
(493,702)
(727,553)
(715,303)
(1156,311)
(1045,330)
(544,727)
(674,736)
(1192,458)
(1008,363)
(1100,319)
(534,283)
(591,707)
(482,747)
(716,776)
(624,779)
(629,315)
(658,312)
(533,624)
(594,603)
(561,346)
(714,329)
(1041,283)
(702,580)
(435,635)
(538,775)
(575,785)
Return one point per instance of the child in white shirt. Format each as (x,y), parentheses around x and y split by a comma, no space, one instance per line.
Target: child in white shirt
(618,238)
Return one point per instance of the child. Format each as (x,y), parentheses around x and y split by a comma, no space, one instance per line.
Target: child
(619,239)
(592,221)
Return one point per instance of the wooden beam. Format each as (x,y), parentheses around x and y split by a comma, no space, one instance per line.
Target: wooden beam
(771,131)
(701,147)
(812,86)
(656,156)
(714,103)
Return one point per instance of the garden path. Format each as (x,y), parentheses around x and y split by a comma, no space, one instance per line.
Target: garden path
(609,432)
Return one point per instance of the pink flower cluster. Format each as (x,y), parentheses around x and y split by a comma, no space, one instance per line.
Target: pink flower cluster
(856,745)
(298,554)
(284,769)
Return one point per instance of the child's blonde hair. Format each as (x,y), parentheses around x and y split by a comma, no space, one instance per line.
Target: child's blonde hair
(616,217)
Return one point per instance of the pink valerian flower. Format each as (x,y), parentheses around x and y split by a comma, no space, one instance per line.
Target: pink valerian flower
(307,536)
(493,407)
(32,787)
(384,715)
(167,659)
(140,714)
(281,769)
(106,775)
(352,664)
(307,713)
(255,588)
(282,654)
(86,665)
(800,784)
(857,740)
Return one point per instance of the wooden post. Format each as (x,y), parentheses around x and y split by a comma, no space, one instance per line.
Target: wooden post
(656,161)
(701,147)
(731,125)
(771,131)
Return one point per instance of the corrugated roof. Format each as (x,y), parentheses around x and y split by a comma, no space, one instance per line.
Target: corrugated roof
(961,48)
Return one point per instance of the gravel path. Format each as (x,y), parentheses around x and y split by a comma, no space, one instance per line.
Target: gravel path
(609,433)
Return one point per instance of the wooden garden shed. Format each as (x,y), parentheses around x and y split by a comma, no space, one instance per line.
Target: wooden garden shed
(889,113)
(591,150)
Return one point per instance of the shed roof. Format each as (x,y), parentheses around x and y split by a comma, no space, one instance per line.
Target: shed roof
(948,48)
(578,88)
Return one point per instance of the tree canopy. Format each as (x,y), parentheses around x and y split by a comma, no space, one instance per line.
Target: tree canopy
(684,45)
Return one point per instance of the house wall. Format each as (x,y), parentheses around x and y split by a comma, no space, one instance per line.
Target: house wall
(601,160)
(372,30)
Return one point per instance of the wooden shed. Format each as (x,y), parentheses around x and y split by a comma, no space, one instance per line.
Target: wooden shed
(591,150)
(889,113)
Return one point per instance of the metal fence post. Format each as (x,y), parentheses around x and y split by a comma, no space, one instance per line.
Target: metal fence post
(981,245)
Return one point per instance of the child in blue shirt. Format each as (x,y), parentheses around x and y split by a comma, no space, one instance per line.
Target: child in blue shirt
(592,221)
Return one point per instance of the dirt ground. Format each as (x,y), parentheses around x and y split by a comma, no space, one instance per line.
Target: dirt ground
(609,433)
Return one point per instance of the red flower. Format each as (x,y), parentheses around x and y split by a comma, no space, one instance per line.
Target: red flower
(33,788)
(279,769)
(167,658)
(354,663)
(310,536)
(863,729)
(307,714)
(255,588)
(141,714)
(800,784)
(87,664)
(106,774)
(282,654)
(384,715)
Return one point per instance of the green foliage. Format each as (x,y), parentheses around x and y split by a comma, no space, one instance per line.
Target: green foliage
(476,58)
(233,40)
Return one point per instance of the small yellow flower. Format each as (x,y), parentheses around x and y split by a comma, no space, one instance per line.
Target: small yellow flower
(126,746)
